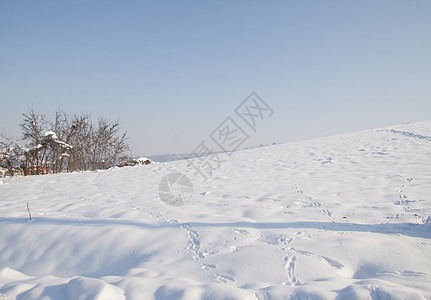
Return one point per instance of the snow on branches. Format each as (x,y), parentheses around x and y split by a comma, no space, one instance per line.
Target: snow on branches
(66,143)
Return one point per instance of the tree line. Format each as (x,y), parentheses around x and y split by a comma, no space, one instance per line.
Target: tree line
(65,143)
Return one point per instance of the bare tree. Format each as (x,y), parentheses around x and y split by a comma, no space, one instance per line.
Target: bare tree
(55,149)
(71,143)
(79,136)
(106,144)
(11,155)
(33,127)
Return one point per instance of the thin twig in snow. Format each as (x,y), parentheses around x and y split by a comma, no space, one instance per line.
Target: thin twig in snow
(29,211)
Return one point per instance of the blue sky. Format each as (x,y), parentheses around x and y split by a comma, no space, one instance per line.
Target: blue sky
(171,71)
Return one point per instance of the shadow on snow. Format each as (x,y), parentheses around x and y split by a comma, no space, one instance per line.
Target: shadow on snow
(407,229)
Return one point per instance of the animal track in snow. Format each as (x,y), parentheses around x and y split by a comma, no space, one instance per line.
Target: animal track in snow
(326,212)
(409,134)
(194,243)
(395,216)
(406,273)
(299,251)
(208,267)
(288,259)
(242,231)
(401,196)
(278,240)
(289,265)
(236,248)
(224,278)
(301,192)
(332,262)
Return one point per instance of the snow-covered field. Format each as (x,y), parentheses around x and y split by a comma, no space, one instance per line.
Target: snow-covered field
(346,217)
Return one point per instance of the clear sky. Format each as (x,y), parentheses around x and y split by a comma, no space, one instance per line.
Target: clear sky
(171,71)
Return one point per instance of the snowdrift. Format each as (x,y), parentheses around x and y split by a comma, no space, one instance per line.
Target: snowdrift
(345,217)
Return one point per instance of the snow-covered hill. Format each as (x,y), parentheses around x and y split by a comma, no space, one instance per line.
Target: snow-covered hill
(344,217)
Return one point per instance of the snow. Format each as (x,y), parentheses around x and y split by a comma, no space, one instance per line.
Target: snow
(51,134)
(346,216)
(143,159)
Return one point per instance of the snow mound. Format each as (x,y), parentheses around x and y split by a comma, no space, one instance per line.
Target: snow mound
(78,288)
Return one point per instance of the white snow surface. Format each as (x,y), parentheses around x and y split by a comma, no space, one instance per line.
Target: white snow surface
(52,134)
(342,217)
